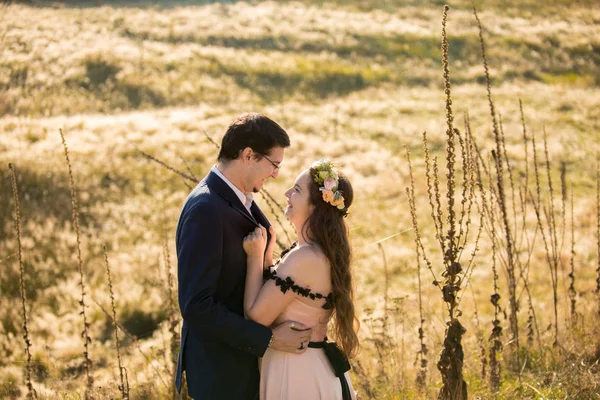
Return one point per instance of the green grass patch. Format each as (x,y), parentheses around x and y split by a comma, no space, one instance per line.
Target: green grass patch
(568,79)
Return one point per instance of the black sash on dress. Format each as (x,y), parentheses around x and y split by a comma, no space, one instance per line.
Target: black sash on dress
(338,361)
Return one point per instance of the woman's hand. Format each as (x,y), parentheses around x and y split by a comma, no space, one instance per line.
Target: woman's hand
(255,242)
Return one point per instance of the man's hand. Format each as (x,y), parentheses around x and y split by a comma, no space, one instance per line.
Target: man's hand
(291,337)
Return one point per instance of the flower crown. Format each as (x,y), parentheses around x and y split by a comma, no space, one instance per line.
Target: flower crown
(329,179)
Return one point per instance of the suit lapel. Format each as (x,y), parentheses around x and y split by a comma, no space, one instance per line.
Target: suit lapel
(261,219)
(222,189)
(214,182)
(258,215)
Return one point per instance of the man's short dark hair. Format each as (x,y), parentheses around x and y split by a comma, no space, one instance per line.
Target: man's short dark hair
(253,130)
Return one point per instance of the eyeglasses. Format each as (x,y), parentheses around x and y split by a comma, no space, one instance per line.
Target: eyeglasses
(272,163)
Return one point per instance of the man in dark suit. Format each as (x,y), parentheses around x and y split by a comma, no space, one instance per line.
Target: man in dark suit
(219,348)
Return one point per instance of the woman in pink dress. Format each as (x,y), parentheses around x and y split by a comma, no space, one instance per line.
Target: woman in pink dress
(311,284)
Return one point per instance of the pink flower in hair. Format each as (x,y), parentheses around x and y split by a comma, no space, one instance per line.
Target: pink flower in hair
(329,184)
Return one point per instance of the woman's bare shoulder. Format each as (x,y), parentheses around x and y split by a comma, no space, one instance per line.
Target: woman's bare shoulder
(306,264)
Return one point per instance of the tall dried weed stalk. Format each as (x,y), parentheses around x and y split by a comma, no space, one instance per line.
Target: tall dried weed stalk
(31,393)
(532,325)
(383,344)
(172,311)
(548,229)
(421,358)
(122,388)
(496,346)
(598,233)
(386,278)
(556,247)
(188,177)
(451,234)
(390,372)
(572,292)
(480,337)
(487,212)
(86,325)
(510,266)
(173,318)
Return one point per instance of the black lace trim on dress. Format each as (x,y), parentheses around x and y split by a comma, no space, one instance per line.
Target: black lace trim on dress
(284,252)
(288,283)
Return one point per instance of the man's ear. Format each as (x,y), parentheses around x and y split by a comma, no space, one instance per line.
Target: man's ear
(247,154)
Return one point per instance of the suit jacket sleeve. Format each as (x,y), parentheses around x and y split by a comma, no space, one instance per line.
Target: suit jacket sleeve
(199,250)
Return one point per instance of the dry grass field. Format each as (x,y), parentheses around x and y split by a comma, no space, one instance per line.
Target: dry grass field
(354,81)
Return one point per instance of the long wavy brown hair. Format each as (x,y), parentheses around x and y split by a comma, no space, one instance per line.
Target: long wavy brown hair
(327,229)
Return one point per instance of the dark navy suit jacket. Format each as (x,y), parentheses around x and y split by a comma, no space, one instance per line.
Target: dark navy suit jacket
(219,348)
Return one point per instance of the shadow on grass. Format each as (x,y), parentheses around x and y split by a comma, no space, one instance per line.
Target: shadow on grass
(390,48)
(44,199)
(273,85)
(101,80)
(136,322)
(41,194)
(320,79)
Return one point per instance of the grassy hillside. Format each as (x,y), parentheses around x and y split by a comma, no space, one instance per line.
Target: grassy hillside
(356,81)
